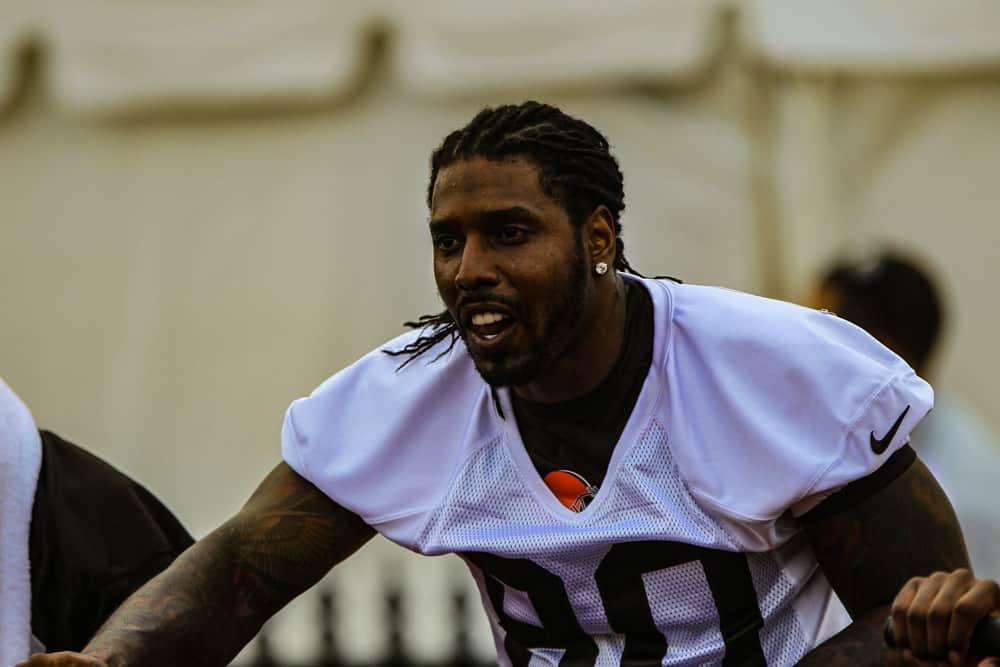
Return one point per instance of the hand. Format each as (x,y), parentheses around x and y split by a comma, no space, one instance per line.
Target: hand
(64,659)
(933,617)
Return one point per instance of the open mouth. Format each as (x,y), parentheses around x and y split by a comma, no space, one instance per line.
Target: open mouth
(489,326)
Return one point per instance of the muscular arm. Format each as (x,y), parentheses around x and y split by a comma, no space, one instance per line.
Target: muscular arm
(206,606)
(869,551)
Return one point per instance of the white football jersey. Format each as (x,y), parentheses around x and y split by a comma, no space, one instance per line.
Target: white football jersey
(753,411)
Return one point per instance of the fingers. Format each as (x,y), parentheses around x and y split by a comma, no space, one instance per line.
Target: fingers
(934,617)
(982,598)
(944,616)
(903,601)
(926,614)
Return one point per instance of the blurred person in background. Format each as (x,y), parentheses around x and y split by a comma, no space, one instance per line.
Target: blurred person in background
(77,537)
(637,471)
(896,300)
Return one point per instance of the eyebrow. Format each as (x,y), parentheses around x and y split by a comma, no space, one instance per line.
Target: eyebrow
(495,216)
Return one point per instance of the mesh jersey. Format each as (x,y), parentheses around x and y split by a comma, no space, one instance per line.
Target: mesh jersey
(753,411)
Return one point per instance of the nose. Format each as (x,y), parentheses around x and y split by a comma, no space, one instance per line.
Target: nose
(477,268)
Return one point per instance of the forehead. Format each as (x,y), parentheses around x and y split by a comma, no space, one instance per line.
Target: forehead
(478,185)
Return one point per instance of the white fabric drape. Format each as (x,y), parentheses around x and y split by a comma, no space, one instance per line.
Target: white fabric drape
(113,56)
(885,37)
(117,55)
(18,22)
(110,55)
(455,47)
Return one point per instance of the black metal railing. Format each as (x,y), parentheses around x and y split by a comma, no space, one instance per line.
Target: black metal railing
(460,653)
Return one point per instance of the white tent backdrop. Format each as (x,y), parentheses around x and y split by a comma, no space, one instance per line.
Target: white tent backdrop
(206,211)
(885,128)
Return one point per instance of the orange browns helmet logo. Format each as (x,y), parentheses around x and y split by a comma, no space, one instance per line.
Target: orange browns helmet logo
(571,489)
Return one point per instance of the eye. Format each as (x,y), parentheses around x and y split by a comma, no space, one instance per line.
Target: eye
(444,241)
(511,234)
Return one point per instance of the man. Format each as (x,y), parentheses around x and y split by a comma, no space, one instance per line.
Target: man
(78,537)
(892,297)
(635,470)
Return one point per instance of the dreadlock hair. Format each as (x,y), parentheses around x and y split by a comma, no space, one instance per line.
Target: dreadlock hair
(575,168)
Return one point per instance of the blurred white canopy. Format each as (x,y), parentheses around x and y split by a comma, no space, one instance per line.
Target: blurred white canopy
(114,55)
(857,37)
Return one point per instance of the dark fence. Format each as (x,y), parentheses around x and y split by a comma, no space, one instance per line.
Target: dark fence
(460,652)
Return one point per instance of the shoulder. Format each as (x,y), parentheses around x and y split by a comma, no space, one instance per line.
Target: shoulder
(778,345)
(770,405)
(382,438)
(126,522)
(736,321)
(96,536)
(380,389)
(735,339)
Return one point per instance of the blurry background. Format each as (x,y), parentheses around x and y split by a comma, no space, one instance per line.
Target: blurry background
(208,208)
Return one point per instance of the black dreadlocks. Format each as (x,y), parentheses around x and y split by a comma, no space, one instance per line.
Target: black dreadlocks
(575,165)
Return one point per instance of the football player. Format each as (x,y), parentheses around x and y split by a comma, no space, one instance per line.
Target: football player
(636,471)
(77,537)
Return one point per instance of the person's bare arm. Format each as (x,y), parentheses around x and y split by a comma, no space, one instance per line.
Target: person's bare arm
(213,599)
(871,550)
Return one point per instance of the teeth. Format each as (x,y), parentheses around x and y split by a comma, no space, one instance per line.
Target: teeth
(490,336)
(480,319)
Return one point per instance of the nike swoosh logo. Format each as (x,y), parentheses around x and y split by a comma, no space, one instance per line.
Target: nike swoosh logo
(879,445)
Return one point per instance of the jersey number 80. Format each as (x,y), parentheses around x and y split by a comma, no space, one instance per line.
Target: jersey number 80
(619,581)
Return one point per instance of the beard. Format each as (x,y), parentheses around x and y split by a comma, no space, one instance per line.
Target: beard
(559,331)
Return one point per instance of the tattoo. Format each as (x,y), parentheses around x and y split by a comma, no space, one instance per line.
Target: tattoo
(206,606)
(905,530)
(868,551)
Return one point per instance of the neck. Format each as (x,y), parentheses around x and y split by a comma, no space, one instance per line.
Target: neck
(592,356)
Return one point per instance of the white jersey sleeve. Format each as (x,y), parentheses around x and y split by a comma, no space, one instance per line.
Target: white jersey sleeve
(780,406)
(383,441)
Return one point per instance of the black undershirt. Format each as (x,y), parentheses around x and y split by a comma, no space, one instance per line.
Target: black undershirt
(580,434)
(96,536)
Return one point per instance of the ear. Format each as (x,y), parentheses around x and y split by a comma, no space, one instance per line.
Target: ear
(599,236)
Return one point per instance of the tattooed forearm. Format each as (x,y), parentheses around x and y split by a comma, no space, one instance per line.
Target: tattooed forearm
(905,530)
(870,550)
(216,595)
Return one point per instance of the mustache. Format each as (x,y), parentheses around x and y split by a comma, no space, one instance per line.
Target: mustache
(483,296)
